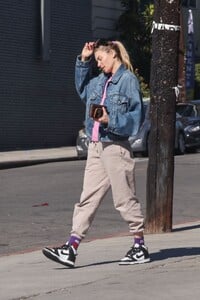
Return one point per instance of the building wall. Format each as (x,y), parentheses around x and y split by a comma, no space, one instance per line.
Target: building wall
(104,16)
(39,106)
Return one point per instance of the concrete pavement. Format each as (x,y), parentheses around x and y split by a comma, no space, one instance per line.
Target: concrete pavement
(173,273)
(11,159)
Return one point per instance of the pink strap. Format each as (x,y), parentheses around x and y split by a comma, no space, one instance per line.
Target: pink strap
(95,130)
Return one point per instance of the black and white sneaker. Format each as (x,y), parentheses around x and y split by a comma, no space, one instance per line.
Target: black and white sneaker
(138,254)
(65,255)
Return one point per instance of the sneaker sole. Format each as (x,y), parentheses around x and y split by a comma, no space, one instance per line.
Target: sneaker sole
(134,262)
(53,257)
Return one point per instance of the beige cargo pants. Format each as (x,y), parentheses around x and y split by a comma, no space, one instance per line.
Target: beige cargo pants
(108,165)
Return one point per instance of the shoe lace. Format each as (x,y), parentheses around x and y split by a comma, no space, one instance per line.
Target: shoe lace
(133,250)
(64,246)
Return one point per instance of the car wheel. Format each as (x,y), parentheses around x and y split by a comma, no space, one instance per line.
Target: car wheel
(181,144)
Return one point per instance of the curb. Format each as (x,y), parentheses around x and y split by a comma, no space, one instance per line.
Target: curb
(25,163)
(16,159)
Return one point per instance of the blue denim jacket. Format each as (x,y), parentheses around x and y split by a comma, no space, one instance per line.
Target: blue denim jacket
(123,101)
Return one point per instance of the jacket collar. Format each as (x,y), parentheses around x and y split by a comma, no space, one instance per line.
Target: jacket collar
(115,77)
(118,73)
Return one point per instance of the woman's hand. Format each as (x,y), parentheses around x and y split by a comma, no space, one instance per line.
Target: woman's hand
(87,51)
(105,118)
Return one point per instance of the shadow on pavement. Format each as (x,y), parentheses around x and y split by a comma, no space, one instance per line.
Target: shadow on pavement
(90,265)
(175,252)
(186,228)
(158,256)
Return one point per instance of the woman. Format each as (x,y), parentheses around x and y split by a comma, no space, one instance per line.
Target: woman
(110,162)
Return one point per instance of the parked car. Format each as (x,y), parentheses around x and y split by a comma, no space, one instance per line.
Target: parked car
(192,135)
(189,109)
(187,135)
(140,142)
(189,115)
(82,144)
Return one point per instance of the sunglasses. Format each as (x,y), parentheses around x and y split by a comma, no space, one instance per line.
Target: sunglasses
(103,42)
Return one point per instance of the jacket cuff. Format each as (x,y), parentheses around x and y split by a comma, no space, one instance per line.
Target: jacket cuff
(81,63)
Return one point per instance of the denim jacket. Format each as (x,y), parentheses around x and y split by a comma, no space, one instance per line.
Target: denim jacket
(123,101)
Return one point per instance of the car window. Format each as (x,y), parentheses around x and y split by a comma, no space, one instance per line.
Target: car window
(186,110)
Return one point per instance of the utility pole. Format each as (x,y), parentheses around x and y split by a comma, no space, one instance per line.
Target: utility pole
(163,84)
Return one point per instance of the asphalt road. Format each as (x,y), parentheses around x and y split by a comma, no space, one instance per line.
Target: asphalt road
(36,202)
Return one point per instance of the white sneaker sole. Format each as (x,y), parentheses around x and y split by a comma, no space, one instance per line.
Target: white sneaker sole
(134,262)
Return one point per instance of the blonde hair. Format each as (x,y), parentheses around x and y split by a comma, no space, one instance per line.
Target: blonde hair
(119,49)
(125,58)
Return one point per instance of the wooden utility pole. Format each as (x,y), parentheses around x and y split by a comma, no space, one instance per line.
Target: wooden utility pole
(164,79)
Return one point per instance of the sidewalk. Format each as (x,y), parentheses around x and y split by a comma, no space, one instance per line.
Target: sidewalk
(13,159)
(173,273)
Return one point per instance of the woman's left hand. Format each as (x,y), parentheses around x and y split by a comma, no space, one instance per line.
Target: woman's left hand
(105,118)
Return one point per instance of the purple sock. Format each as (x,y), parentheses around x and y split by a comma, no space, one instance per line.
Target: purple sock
(74,241)
(139,241)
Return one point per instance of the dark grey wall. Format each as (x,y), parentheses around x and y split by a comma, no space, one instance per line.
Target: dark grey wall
(39,106)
